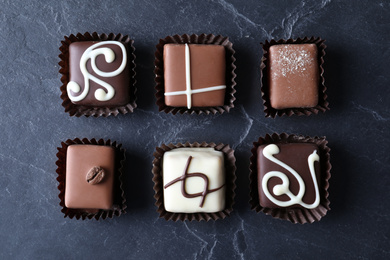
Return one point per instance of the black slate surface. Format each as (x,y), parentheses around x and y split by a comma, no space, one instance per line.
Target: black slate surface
(33,124)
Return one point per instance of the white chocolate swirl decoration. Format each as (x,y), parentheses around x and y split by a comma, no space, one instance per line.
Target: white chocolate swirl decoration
(283,188)
(92,53)
(188,92)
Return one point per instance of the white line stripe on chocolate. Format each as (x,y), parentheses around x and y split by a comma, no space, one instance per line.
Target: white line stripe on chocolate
(188,76)
(194,91)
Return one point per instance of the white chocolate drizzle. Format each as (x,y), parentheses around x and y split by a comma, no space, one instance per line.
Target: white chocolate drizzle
(188,92)
(188,76)
(92,53)
(283,188)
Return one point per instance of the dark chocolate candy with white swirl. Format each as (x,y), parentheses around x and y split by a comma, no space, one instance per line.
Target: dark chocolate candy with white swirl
(98,73)
(288,175)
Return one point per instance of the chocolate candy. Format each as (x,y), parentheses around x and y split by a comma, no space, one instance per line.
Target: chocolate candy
(288,175)
(89,176)
(293,76)
(194,180)
(194,75)
(98,73)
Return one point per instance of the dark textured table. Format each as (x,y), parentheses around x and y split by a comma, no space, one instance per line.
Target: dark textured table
(33,124)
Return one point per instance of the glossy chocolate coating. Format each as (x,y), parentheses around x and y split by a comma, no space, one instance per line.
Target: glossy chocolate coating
(120,83)
(79,194)
(294,155)
(293,75)
(207,63)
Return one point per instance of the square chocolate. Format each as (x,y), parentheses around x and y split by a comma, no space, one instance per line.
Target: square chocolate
(194,75)
(89,178)
(99,74)
(194,180)
(289,175)
(293,76)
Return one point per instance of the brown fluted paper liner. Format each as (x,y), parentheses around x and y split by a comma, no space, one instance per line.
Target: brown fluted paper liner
(196,39)
(295,215)
(119,205)
(79,110)
(322,105)
(230,169)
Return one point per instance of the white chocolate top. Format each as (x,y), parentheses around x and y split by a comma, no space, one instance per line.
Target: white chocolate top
(206,161)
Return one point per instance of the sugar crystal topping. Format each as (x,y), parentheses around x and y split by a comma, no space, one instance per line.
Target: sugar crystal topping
(288,60)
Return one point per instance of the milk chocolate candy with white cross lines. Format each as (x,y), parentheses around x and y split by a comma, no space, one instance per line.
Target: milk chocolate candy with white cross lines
(194,75)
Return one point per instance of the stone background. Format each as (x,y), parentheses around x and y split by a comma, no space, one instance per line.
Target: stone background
(33,124)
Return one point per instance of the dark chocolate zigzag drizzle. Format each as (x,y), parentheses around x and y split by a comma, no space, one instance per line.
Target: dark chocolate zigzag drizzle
(194,174)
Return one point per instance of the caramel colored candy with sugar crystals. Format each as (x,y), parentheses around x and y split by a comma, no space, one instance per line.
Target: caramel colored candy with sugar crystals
(293,75)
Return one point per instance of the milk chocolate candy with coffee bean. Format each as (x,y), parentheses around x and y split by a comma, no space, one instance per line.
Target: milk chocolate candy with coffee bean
(89,176)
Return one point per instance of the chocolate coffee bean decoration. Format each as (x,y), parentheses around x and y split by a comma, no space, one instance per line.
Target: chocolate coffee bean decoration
(95,175)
